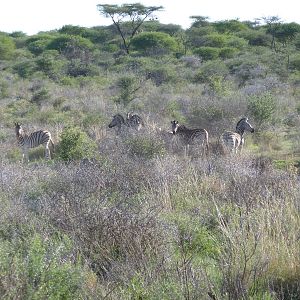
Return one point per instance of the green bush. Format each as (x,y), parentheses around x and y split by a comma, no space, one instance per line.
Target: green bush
(154,43)
(51,64)
(262,107)
(7,47)
(38,268)
(146,147)
(211,69)
(227,52)
(76,145)
(207,53)
(25,69)
(236,42)
(295,62)
(214,40)
(71,46)
(41,95)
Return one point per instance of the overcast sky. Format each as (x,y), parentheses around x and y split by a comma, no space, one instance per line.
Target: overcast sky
(32,16)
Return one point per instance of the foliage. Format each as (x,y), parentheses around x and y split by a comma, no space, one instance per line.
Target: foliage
(44,268)
(210,69)
(207,53)
(75,145)
(295,62)
(227,52)
(145,147)
(154,42)
(51,64)
(7,47)
(136,13)
(25,69)
(262,107)
(71,46)
(229,26)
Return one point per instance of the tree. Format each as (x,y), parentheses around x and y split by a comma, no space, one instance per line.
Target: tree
(135,14)
(199,21)
(273,23)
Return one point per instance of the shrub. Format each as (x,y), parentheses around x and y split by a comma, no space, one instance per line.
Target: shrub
(51,64)
(227,52)
(154,43)
(207,53)
(37,47)
(75,145)
(147,147)
(25,69)
(160,74)
(40,96)
(211,69)
(214,40)
(7,47)
(295,62)
(262,107)
(71,46)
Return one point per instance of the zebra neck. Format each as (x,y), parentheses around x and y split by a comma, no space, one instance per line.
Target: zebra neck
(240,131)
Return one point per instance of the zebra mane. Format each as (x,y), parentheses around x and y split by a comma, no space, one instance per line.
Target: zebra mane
(120,117)
(238,129)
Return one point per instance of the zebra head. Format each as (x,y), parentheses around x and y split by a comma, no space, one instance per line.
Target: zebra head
(244,125)
(117,120)
(174,125)
(18,129)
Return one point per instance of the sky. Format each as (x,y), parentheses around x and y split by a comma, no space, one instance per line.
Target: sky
(33,16)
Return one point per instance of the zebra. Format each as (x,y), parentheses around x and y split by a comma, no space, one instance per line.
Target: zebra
(191,136)
(132,121)
(117,122)
(235,140)
(32,140)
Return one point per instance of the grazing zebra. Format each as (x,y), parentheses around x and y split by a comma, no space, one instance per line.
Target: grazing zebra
(132,121)
(235,140)
(117,122)
(191,136)
(32,140)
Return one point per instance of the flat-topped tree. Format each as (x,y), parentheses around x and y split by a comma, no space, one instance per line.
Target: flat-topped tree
(127,18)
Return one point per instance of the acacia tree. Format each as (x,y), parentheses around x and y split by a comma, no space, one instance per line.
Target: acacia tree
(273,23)
(132,15)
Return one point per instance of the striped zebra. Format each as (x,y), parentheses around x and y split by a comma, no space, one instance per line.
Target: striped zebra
(235,140)
(32,140)
(189,136)
(132,121)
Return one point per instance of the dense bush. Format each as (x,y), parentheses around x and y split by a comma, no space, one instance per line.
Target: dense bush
(7,47)
(262,107)
(75,145)
(207,53)
(154,43)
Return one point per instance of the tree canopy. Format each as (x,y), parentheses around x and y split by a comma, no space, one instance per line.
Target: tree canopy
(127,18)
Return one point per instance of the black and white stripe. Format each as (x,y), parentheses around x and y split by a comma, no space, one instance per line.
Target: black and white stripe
(132,121)
(32,140)
(235,140)
(189,136)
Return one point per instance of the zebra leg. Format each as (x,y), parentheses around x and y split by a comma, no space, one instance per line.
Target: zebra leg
(47,152)
(25,156)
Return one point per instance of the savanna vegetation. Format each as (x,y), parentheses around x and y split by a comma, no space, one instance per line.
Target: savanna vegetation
(134,215)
